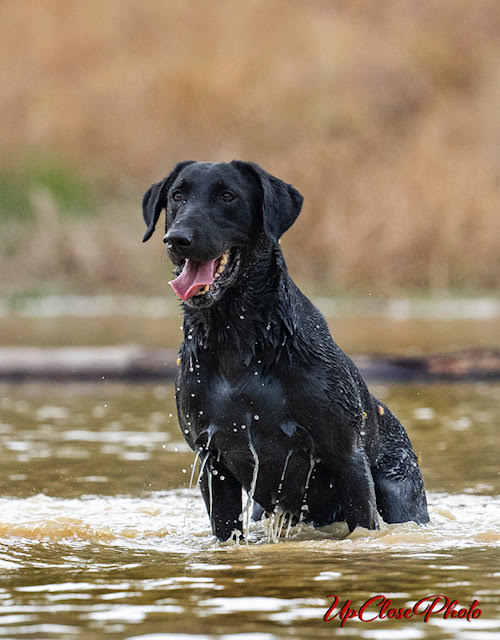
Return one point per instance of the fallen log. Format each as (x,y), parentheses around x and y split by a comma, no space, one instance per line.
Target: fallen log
(127,363)
(135,364)
(467,365)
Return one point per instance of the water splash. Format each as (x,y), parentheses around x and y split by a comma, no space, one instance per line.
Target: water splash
(312,463)
(202,467)
(156,521)
(278,517)
(280,486)
(210,496)
(191,494)
(195,461)
(251,493)
(275,523)
(212,429)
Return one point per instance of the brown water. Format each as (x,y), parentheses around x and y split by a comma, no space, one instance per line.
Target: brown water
(361,334)
(100,536)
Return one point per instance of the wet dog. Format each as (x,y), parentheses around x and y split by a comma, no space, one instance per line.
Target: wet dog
(264,395)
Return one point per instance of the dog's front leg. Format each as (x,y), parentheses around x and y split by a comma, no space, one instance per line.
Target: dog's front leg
(222,495)
(356,490)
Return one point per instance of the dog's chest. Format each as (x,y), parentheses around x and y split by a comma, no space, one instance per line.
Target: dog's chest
(218,392)
(232,403)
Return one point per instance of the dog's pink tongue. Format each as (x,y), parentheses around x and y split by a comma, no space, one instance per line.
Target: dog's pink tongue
(194,276)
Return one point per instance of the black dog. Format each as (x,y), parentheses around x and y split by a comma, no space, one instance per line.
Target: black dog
(264,394)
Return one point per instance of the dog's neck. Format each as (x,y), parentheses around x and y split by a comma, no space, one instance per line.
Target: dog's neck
(255,316)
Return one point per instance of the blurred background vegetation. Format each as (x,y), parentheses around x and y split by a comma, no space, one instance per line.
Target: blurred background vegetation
(384,114)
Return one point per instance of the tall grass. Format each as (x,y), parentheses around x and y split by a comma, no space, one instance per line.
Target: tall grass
(384,114)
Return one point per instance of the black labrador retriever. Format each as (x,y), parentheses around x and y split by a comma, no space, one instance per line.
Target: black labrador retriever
(264,394)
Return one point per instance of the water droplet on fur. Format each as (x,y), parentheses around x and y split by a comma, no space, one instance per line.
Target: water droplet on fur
(242,317)
(256,417)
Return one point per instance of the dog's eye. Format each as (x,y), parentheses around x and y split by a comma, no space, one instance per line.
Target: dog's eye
(176,196)
(227,196)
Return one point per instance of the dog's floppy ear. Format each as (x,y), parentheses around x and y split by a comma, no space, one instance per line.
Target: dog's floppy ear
(281,203)
(154,199)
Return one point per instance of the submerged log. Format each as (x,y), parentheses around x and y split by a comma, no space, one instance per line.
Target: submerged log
(126,363)
(466,365)
(134,363)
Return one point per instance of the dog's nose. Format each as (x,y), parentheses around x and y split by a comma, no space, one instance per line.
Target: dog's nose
(178,240)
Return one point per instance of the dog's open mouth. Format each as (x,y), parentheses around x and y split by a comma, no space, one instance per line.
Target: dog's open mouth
(200,278)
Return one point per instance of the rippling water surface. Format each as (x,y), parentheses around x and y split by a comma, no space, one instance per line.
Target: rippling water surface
(100,536)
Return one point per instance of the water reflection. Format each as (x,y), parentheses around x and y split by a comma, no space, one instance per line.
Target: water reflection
(100,536)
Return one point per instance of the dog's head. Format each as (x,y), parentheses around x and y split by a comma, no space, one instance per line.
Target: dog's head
(214,213)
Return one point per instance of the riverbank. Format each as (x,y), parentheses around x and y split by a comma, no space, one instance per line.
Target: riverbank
(449,307)
(65,338)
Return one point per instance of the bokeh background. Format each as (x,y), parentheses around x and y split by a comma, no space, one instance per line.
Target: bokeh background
(384,114)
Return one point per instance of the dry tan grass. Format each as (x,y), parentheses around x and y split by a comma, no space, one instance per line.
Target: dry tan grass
(384,114)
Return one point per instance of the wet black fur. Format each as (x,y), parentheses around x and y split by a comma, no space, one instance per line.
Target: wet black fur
(258,366)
